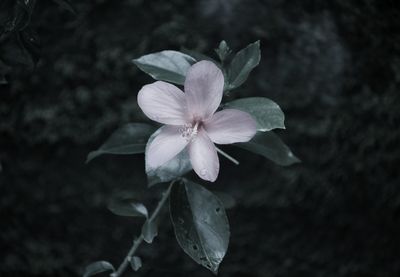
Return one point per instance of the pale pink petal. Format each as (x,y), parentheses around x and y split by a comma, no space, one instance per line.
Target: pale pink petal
(204,87)
(230,126)
(163,102)
(166,145)
(204,157)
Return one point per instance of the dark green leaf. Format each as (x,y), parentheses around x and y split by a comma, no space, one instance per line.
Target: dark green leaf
(177,167)
(242,64)
(168,65)
(271,147)
(129,139)
(127,207)
(200,223)
(267,113)
(136,263)
(149,230)
(98,267)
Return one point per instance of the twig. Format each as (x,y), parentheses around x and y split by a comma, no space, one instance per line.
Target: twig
(226,155)
(139,240)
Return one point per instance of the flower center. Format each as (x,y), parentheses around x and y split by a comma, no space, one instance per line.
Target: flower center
(188,131)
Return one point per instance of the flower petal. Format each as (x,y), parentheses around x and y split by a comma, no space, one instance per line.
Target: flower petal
(204,157)
(163,102)
(166,145)
(230,126)
(204,87)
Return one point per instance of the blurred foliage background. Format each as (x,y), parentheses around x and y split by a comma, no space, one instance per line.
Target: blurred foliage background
(68,82)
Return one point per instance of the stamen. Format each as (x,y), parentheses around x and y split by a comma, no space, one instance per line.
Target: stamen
(194,132)
(188,132)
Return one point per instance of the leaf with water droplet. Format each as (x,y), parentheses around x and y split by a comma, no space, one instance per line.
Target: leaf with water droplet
(98,267)
(269,145)
(200,223)
(128,139)
(267,114)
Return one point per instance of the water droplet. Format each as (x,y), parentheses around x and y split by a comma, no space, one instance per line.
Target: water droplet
(203,172)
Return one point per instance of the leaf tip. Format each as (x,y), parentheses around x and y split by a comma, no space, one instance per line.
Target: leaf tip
(89,157)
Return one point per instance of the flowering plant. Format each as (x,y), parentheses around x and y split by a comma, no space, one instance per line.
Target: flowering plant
(194,122)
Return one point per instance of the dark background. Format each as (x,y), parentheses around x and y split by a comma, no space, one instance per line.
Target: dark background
(333,67)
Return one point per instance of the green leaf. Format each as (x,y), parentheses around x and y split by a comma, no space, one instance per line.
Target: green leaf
(200,223)
(98,267)
(127,207)
(149,230)
(129,139)
(223,50)
(136,263)
(266,112)
(242,64)
(176,167)
(271,147)
(168,65)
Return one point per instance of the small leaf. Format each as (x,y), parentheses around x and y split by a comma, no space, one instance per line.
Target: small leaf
(242,64)
(176,167)
(136,263)
(149,230)
(271,147)
(223,50)
(168,65)
(129,139)
(127,207)
(267,113)
(98,267)
(200,223)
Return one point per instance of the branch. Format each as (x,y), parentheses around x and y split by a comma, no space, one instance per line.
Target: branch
(139,240)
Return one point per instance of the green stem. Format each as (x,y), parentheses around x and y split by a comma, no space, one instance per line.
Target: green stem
(226,155)
(136,243)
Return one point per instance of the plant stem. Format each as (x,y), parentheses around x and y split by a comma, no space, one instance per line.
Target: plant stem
(139,240)
(226,155)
